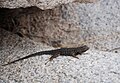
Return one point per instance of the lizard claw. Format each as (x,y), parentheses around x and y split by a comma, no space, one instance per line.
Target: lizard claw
(75,57)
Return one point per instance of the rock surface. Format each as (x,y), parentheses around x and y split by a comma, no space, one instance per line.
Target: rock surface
(48,26)
(92,24)
(94,66)
(100,27)
(55,27)
(100,23)
(42,4)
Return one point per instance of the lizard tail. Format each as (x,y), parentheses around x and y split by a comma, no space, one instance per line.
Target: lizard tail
(31,55)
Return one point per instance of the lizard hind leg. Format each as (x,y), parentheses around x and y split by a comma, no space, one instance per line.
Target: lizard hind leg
(53,56)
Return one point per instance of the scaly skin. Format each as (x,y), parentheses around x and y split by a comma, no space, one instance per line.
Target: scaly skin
(73,52)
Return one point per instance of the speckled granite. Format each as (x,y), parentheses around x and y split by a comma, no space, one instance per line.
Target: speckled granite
(93,67)
(99,23)
(42,4)
(102,22)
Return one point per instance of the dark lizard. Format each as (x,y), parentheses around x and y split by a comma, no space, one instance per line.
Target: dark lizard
(73,52)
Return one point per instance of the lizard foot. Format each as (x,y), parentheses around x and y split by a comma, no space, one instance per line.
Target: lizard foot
(52,57)
(75,57)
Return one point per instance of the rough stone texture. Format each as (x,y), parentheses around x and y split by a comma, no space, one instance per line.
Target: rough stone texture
(92,67)
(49,26)
(100,23)
(100,26)
(42,4)
(71,24)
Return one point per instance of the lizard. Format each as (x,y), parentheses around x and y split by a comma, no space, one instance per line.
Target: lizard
(73,52)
